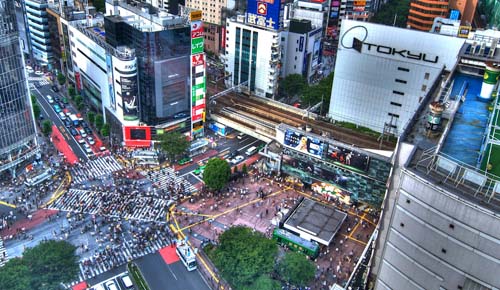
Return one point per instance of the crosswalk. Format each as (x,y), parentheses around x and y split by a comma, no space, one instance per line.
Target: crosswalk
(95,168)
(119,255)
(166,178)
(3,254)
(131,206)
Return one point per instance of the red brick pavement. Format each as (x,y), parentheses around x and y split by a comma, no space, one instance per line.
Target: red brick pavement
(37,218)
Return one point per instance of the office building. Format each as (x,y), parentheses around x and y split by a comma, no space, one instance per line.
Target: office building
(423,12)
(38,31)
(212,22)
(441,221)
(17,126)
(393,70)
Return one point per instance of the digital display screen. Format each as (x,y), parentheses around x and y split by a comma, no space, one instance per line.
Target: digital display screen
(303,143)
(348,157)
(138,134)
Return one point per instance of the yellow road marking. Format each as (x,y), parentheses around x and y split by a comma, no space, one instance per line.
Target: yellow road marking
(356,226)
(7,204)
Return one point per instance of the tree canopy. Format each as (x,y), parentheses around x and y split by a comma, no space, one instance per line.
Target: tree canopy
(321,91)
(61,79)
(174,144)
(46,127)
(293,85)
(393,8)
(217,173)
(244,256)
(99,121)
(296,269)
(43,267)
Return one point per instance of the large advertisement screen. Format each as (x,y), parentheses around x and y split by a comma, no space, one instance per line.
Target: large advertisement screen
(129,96)
(303,143)
(348,158)
(137,136)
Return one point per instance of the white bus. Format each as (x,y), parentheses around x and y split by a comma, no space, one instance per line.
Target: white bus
(186,255)
(250,151)
(146,157)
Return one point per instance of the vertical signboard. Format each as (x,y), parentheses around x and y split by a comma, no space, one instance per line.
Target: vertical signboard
(109,70)
(129,97)
(198,82)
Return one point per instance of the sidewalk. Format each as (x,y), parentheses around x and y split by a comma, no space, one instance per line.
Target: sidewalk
(37,218)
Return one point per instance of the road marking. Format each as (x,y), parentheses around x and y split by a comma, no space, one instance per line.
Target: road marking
(248,145)
(7,204)
(175,277)
(196,176)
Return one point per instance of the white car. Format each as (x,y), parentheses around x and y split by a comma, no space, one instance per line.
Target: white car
(62,116)
(111,285)
(127,282)
(39,73)
(237,159)
(87,148)
(82,133)
(50,99)
(91,140)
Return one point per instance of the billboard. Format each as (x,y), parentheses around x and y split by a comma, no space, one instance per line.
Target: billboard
(348,158)
(265,13)
(129,97)
(137,136)
(316,53)
(303,143)
(197,59)
(196,29)
(109,69)
(197,45)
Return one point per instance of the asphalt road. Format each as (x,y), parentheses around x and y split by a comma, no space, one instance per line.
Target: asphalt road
(161,276)
(49,113)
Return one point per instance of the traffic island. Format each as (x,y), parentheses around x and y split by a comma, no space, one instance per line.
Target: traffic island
(137,277)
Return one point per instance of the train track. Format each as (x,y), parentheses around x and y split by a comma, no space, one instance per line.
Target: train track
(278,115)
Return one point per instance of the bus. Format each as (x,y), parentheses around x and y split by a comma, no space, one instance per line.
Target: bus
(146,157)
(296,243)
(186,255)
(74,120)
(37,179)
(250,151)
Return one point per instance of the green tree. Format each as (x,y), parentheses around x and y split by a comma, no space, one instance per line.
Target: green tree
(174,144)
(33,99)
(105,129)
(78,100)
(293,85)
(15,275)
(316,93)
(244,169)
(91,117)
(61,78)
(99,121)
(393,9)
(71,91)
(264,282)
(244,255)
(43,267)
(217,173)
(296,269)
(51,263)
(46,127)
(36,110)
(99,5)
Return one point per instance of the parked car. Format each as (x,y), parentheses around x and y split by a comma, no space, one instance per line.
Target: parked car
(88,130)
(110,285)
(73,131)
(91,140)
(82,132)
(81,141)
(87,148)
(127,282)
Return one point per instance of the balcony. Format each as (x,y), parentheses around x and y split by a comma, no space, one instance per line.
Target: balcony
(39,39)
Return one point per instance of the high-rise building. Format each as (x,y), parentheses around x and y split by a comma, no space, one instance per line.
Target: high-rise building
(423,12)
(17,126)
(38,31)
(212,21)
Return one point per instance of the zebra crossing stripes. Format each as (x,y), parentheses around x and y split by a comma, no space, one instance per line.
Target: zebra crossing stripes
(167,177)
(133,207)
(3,254)
(95,168)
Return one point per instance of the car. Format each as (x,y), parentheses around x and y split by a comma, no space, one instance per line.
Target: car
(87,148)
(62,116)
(84,124)
(185,160)
(41,117)
(232,155)
(67,123)
(127,282)
(55,89)
(87,130)
(62,105)
(82,133)
(180,115)
(57,108)
(110,285)
(81,141)
(73,132)
(68,113)
(240,136)
(39,73)
(237,159)
(29,69)
(199,170)
(102,148)
(50,99)
(297,105)
(91,140)
(65,100)
(56,98)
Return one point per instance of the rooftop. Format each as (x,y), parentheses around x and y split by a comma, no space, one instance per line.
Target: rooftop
(317,220)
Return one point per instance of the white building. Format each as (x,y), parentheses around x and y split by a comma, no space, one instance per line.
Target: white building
(253,55)
(316,12)
(383,73)
(38,28)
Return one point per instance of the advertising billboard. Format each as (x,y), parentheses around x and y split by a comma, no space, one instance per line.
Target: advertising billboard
(109,70)
(129,97)
(196,45)
(303,143)
(198,59)
(316,53)
(265,13)
(137,136)
(348,158)
(196,29)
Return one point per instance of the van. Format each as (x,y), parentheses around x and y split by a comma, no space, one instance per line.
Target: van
(250,151)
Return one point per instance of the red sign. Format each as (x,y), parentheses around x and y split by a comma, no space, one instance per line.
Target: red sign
(137,136)
(261,8)
(196,29)
(78,81)
(198,59)
(359,8)
(223,38)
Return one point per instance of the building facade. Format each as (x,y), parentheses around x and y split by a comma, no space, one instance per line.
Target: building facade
(17,125)
(395,68)
(38,31)
(423,12)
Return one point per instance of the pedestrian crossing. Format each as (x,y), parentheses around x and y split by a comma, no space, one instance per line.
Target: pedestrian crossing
(110,258)
(3,254)
(167,179)
(95,168)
